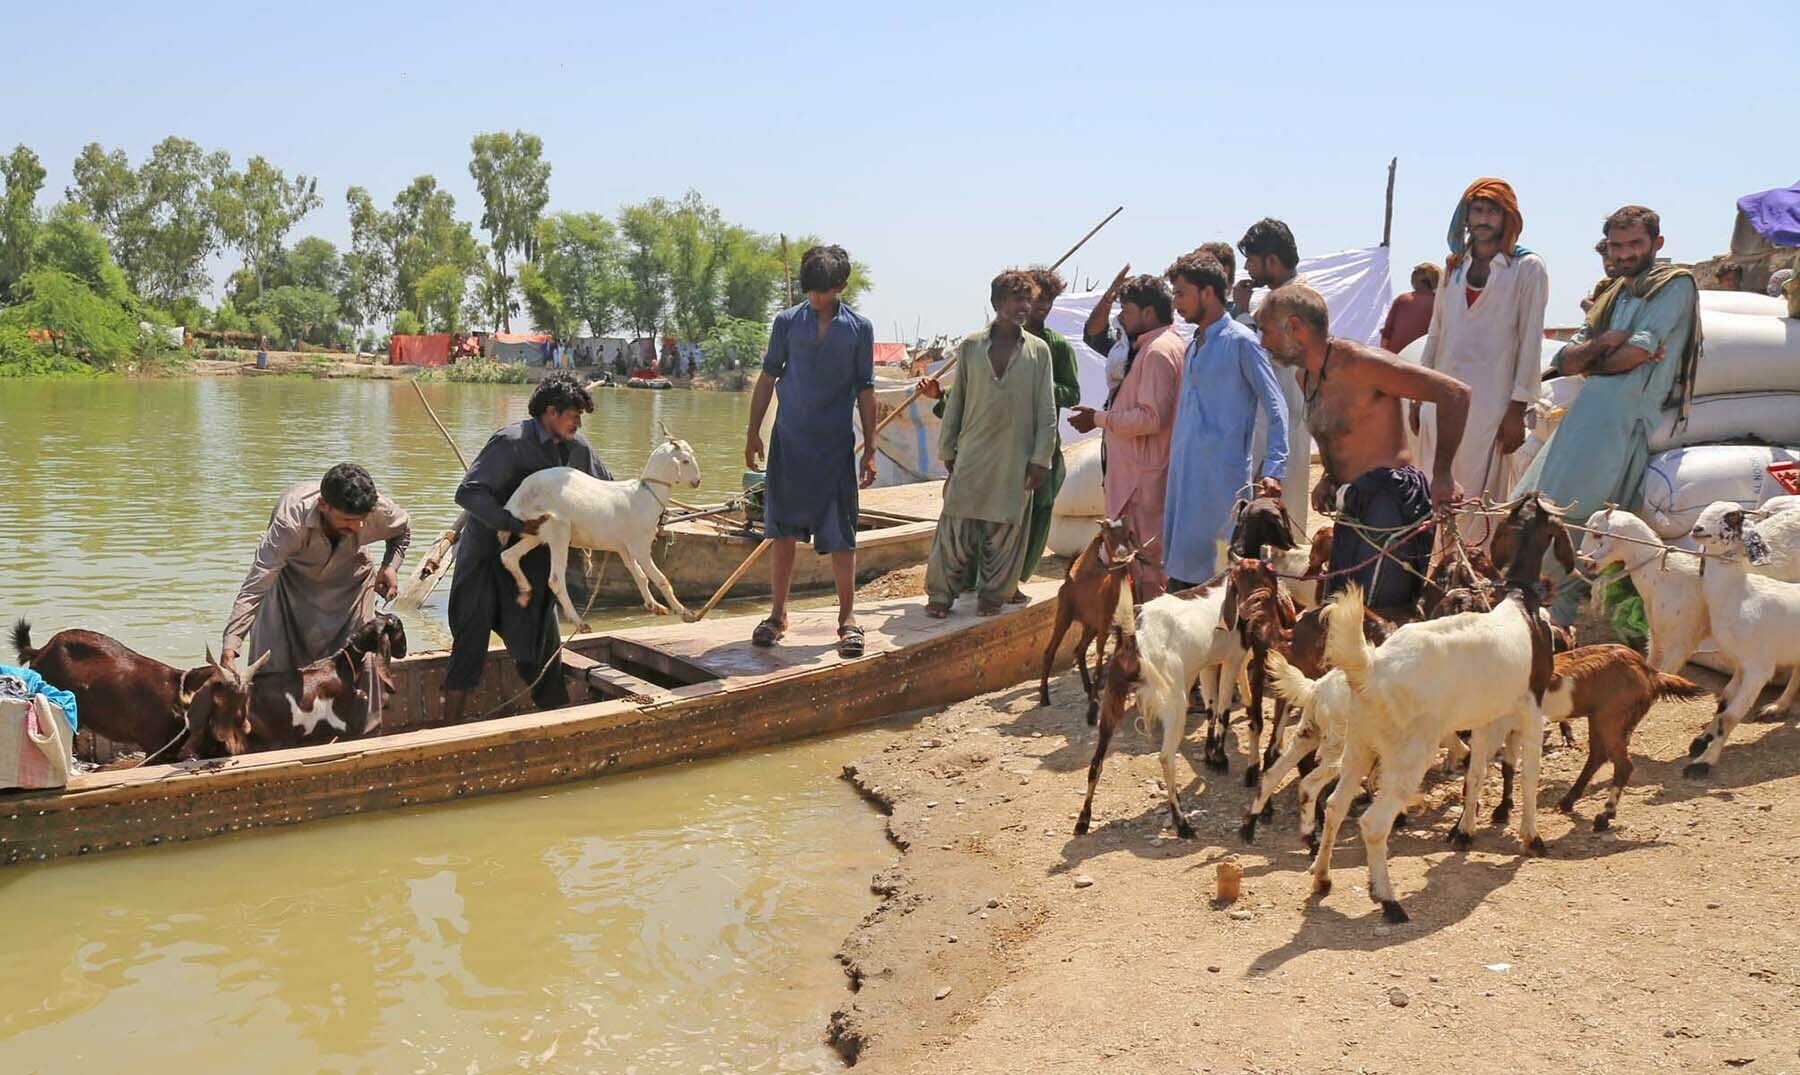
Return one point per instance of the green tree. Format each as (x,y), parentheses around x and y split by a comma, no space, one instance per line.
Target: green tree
(159,219)
(68,242)
(371,260)
(696,241)
(491,300)
(644,229)
(514,181)
(734,344)
(300,312)
(23,174)
(80,322)
(438,297)
(583,262)
(311,263)
(859,274)
(548,305)
(406,323)
(751,278)
(257,207)
(393,250)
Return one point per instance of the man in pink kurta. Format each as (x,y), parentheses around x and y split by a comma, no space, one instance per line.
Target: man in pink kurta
(1139,419)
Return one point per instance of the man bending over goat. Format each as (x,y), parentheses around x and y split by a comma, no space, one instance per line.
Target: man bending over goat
(483,595)
(311,584)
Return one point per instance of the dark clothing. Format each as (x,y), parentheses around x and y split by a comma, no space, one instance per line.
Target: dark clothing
(1383,499)
(811,484)
(483,595)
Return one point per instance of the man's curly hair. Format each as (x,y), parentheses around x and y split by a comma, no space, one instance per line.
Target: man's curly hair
(562,390)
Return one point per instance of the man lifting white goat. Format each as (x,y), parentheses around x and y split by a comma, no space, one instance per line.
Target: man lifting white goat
(577,510)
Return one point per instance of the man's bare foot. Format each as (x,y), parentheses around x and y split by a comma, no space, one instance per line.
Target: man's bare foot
(987,608)
(1019,597)
(937,611)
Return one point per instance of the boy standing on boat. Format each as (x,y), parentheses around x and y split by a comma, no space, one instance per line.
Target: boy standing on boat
(311,584)
(483,595)
(998,435)
(821,366)
(1487,328)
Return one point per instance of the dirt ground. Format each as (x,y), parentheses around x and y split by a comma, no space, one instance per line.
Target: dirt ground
(1005,944)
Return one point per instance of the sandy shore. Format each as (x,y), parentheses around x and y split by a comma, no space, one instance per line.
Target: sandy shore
(1005,944)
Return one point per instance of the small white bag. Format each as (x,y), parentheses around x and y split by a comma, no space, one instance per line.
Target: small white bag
(37,747)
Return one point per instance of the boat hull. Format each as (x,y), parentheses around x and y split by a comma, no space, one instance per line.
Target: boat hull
(748,699)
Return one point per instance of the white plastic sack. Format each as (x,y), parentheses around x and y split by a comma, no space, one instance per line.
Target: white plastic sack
(1069,534)
(1764,417)
(1747,353)
(1081,494)
(1680,484)
(1741,302)
(37,746)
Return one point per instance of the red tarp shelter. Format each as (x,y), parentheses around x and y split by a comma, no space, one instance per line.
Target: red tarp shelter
(432,350)
(890,354)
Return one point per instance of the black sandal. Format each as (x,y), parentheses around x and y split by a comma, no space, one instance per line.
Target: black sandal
(768,632)
(850,641)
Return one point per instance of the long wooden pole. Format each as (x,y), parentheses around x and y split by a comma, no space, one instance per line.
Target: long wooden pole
(440,426)
(950,365)
(434,557)
(725,587)
(763,546)
(1387,218)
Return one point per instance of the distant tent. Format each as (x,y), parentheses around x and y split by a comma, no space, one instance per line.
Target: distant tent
(432,350)
(890,354)
(1772,214)
(517,347)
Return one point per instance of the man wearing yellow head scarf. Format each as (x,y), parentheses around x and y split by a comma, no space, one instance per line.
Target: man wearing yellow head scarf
(1486,331)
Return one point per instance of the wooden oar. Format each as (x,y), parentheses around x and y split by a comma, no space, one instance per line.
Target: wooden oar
(951,364)
(725,587)
(450,536)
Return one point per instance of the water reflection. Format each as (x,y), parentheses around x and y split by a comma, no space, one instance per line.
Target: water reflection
(658,923)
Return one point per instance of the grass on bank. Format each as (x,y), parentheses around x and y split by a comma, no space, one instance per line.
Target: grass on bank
(477,371)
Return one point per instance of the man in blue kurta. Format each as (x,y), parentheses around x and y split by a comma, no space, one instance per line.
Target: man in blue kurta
(1638,351)
(1225,379)
(821,366)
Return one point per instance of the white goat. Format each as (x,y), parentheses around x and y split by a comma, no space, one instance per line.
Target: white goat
(1669,584)
(1755,621)
(1169,644)
(579,510)
(1779,525)
(1396,704)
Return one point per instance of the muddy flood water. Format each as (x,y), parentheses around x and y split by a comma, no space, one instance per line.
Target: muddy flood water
(681,920)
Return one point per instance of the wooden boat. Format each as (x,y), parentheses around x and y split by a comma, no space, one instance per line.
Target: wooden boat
(894,531)
(642,698)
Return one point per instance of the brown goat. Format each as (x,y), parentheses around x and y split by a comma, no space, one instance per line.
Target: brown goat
(1092,586)
(325,700)
(129,698)
(1613,686)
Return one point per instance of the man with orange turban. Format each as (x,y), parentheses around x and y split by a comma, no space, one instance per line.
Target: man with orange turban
(1487,328)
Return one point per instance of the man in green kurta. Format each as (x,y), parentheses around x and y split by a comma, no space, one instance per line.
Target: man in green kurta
(1066,392)
(1000,424)
(1638,351)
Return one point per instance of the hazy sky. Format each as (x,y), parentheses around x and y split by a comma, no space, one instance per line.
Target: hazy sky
(941,142)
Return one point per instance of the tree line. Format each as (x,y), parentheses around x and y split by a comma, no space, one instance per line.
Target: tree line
(135,242)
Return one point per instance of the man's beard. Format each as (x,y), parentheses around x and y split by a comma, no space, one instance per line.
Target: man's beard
(1291,356)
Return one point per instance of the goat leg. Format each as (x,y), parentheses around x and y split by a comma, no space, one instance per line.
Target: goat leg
(1258,679)
(1064,616)
(1087,804)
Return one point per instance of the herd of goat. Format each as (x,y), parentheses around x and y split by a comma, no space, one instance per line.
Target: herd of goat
(1376,694)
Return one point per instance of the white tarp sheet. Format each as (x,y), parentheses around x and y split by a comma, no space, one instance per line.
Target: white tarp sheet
(1354,283)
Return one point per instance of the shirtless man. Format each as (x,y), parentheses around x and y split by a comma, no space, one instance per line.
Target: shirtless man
(1353,395)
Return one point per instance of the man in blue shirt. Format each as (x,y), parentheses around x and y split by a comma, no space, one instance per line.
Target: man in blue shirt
(1226,378)
(821,365)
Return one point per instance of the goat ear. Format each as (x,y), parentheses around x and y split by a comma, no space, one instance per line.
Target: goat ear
(1564,549)
(1228,616)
